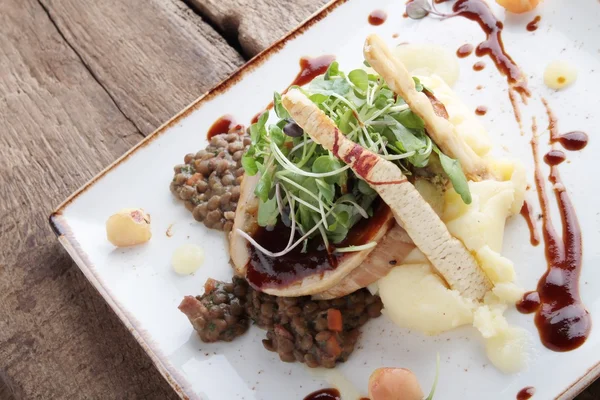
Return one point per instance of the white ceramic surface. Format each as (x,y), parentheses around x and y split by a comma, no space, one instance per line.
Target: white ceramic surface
(142,288)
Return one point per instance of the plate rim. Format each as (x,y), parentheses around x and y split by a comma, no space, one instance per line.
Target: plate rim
(66,238)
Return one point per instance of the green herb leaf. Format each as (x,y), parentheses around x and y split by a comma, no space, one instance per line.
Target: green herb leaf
(332,86)
(409,119)
(418,85)
(326,164)
(365,189)
(332,70)
(267,212)
(279,108)
(276,134)
(249,164)
(366,63)
(345,121)
(360,79)
(258,129)
(318,98)
(326,190)
(263,187)
(454,171)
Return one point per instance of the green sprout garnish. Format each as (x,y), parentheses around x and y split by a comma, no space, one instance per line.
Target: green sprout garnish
(435,380)
(310,190)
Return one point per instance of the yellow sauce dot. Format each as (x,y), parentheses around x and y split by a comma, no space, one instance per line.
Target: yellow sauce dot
(187,258)
(559,75)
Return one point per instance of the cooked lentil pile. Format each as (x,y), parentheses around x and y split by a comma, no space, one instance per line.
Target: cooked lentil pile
(209,181)
(219,314)
(315,332)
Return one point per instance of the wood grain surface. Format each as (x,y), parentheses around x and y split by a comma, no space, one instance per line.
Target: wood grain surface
(80,85)
(81,81)
(256,24)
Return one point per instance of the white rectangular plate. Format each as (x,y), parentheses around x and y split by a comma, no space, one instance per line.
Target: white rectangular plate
(140,286)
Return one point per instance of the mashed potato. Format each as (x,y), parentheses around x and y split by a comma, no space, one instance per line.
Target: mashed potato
(415,297)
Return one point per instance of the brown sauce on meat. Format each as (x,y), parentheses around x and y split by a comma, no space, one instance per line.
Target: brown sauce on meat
(562,319)
(554,157)
(529,303)
(310,68)
(526,393)
(526,211)
(324,394)
(265,271)
(224,124)
(377,17)
(465,50)
(481,110)
(478,66)
(479,11)
(573,141)
(533,25)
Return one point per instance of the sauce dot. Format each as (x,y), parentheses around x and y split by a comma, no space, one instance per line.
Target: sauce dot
(464,50)
(479,65)
(559,74)
(481,110)
(573,141)
(554,157)
(377,17)
(187,258)
(526,393)
(533,25)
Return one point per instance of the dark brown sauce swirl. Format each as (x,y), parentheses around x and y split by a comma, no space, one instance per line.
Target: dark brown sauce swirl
(561,318)
(479,11)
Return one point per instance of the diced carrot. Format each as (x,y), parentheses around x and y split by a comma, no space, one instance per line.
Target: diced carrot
(193,179)
(332,346)
(334,320)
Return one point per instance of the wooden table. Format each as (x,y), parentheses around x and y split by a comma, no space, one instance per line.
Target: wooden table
(82,81)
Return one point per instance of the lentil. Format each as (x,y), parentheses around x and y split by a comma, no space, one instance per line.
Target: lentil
(217,173)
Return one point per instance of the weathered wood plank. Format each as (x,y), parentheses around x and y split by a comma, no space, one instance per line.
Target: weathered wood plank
(58,127)
(256,24)
(153,56)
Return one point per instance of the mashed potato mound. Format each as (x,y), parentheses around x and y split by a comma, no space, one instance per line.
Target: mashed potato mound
(415,297)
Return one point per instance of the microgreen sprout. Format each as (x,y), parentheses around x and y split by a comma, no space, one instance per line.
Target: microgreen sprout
(435,380)
(311,191)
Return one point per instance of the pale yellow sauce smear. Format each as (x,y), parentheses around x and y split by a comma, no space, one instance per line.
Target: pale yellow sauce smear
(186,259)
(429,59)
(560,74)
